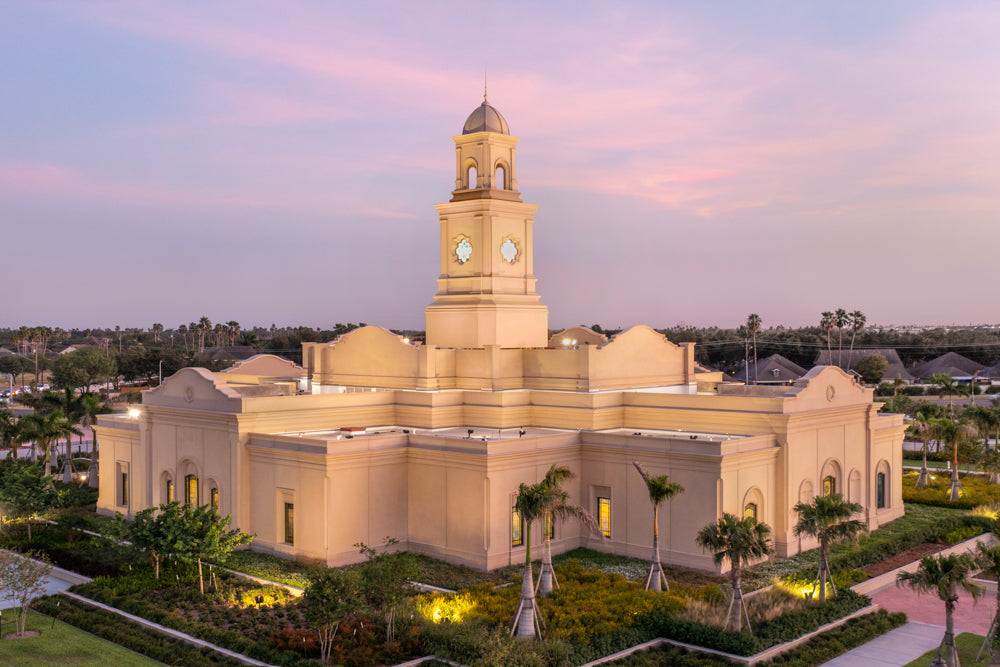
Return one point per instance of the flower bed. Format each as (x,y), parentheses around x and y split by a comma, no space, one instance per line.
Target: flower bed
(229,615)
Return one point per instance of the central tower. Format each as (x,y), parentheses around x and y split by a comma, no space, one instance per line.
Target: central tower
(486,289)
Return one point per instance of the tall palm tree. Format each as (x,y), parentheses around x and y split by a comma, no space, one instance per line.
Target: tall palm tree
(953,434)
(841,320)
(828,518)
(944,575)
(531,504)
(91,406)
(989,563)
(559,507)
(946,387)
(828,322)
(919,429)
(753,328)
(738,541)
(857,320)
(661,489)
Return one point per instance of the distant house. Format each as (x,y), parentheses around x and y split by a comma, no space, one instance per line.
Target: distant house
(775,369)
(852,357)
(951,364)
(224,354)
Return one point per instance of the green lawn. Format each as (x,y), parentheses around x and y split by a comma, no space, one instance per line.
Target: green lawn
(62,644)
(968,646)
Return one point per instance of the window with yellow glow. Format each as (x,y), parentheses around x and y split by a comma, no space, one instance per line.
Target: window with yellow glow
(191,490)
(289,523)
(604,515)
(214,498)
(829,485)
(750,511)
(516,528)
(170,491)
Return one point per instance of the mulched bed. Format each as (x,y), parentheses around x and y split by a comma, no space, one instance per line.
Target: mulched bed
(899,560)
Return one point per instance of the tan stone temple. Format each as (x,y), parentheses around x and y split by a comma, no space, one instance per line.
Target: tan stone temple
(376,437)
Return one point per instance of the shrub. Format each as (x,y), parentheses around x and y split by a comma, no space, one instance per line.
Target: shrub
(977,491)
(962,534)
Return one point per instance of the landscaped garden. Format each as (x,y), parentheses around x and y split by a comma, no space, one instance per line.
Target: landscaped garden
(370,613)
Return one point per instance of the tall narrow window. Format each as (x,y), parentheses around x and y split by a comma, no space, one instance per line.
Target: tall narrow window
(501,179)
(750,511)
(550,526)
(169,491)
(516,528)
(880,490)
(214,498)
(604,515)
(289,523)
(123,488)
(829,485)
(191,490)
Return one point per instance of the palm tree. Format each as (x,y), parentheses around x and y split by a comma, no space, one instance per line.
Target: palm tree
(660,490)
(738,541)
(828,322)
(90,407)
(946,387)
(989,563)
(841,320)
(857,320)
(944,575)
(828,518)
(919,429)
(744,333)
(531,504)
(559,507)
(43,430)
(9,431)
(753,328)
(953,434)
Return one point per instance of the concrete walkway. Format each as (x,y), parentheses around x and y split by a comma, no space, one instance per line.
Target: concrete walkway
(896,647)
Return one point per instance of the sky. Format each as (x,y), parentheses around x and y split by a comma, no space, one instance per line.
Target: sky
(279,162)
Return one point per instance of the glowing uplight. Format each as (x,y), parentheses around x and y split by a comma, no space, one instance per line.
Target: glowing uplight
(406,340)
(565,341)
(134,413)
(439,608)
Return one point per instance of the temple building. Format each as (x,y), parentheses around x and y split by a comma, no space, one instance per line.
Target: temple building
(375,436)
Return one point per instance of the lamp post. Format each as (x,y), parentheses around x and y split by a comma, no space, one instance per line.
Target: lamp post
(161,374)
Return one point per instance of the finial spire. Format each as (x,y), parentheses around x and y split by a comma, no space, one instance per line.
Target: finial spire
(485,72)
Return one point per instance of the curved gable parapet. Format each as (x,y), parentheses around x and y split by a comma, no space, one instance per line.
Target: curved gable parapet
(828,386)
(637,334)
(579,336)
(269,365)
(370,335)
(194,388)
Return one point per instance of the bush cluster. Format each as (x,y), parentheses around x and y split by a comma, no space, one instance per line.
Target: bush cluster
(977,491)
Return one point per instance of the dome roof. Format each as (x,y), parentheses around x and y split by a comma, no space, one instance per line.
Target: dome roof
(485,118)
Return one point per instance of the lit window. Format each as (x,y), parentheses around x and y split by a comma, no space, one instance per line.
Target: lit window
(750,511)
(169,492)
(829,485)
(604,515)
(191,490)
(516,528)
(550,526)
(880,490)
(214,496)
(289,523)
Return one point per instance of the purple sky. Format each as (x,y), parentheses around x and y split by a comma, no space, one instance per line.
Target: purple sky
(278,162)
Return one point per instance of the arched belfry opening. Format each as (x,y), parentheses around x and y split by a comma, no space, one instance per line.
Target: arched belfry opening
(500,177)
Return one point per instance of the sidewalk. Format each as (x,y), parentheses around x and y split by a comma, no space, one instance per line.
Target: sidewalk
(896,647)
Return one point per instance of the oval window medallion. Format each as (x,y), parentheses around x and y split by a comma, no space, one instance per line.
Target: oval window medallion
(830,392)
(189,394)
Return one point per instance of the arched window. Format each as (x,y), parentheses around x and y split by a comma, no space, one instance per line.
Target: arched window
(880,490)
(213,495)
(806,494)
(168,492)
(753,504)
(854,487)
(750,511)
(191,490)
(501,178)
(472,177)
(830,476)
(829,485)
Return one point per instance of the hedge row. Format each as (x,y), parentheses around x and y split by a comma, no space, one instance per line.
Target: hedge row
(816,651)
(133,636)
